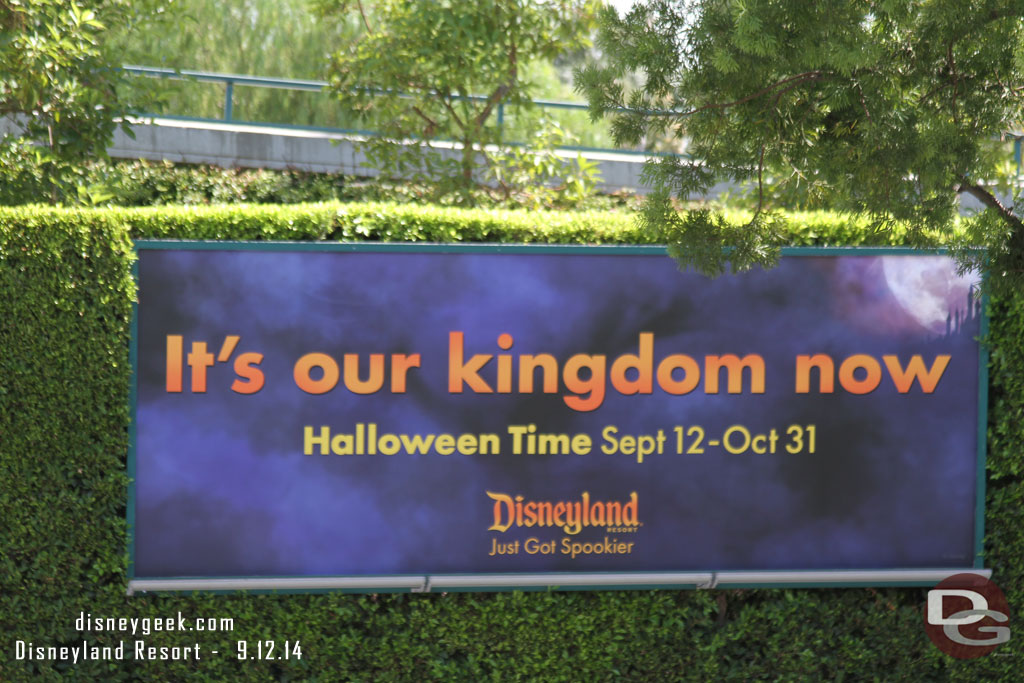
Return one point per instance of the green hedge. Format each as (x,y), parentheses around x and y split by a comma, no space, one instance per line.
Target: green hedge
(408,222)
(65,307)
(146,183)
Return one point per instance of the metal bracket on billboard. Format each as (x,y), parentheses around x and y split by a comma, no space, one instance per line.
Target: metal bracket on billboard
(428,584)
(879,577)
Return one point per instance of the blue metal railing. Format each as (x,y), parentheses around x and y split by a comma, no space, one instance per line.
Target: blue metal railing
(1016,153)
(230,80)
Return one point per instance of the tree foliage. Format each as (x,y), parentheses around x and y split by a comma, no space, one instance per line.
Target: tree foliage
(274,38)
(416,68)
(289,39)
(59,82)
(890,108)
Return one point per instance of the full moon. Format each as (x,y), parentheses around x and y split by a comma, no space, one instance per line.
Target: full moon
(929,289)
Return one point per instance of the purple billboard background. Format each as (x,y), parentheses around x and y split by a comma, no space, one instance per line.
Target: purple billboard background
(223,488)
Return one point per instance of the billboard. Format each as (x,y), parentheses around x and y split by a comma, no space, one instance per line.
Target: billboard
(409,417)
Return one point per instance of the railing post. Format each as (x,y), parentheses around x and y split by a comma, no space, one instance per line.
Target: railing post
(229,96)
(1016,154)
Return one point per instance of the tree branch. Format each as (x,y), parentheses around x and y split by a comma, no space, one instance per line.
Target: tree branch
(430,122)
(990,200)
(956,82)
(863,102)
(933,91)
(1013,260)
(499,93)
(363,15)
(451,110)
(996,15)
(760,181)
(799,78)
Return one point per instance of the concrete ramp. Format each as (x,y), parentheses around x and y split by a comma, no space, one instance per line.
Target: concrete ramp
(239,145)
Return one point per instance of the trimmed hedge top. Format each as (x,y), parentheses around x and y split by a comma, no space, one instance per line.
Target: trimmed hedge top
(415,223)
